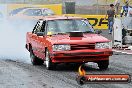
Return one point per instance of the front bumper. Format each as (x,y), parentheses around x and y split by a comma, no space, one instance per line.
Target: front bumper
(81,55)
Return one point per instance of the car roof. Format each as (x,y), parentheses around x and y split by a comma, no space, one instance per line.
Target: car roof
(55,17)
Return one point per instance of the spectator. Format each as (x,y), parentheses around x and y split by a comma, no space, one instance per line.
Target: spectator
(110,14)
(125,9)
(129,12)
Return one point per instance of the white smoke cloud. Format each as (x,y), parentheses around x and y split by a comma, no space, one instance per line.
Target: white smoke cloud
(13,40)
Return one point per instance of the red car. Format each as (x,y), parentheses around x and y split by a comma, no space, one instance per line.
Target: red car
(62,39)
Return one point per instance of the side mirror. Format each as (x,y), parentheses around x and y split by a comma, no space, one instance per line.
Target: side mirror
(40,33)
(98,32)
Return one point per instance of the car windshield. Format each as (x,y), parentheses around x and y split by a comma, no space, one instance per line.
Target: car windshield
(70,25)
(38,12)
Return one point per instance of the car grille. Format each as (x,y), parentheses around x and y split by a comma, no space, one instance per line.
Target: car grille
(82,46)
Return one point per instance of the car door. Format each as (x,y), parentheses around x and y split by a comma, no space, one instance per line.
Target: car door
(35,39)
(41,40)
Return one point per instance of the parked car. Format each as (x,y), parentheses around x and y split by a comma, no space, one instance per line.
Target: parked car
(30,13)
(62,39)
(27,16)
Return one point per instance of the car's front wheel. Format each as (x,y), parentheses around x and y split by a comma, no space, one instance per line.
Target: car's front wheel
(35,60)
(103,65)
(49,64)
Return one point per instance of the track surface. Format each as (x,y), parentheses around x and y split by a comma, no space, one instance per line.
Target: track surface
(18,74)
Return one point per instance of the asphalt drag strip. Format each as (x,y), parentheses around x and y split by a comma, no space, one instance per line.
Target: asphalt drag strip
(18,74)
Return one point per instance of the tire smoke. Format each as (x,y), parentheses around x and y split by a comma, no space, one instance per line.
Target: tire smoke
(13,40)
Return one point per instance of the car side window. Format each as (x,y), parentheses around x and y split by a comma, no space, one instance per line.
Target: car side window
(43,26)
(35,28)
(38,27)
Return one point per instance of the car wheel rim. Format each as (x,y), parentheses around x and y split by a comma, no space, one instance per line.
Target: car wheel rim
(47,59)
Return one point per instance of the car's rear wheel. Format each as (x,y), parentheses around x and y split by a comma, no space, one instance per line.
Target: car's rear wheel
(35,60)
(103,65)
(49,64)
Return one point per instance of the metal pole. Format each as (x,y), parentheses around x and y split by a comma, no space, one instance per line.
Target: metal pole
(97,7)
(24,1)
(105,7)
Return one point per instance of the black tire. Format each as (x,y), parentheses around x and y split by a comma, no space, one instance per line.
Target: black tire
(81,80)
(103,65)
(35,60)
(48,61)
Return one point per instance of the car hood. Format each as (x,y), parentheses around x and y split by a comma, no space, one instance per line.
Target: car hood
(87,38)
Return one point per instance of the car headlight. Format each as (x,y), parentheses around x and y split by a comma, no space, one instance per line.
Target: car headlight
(105,45)
(61,47)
